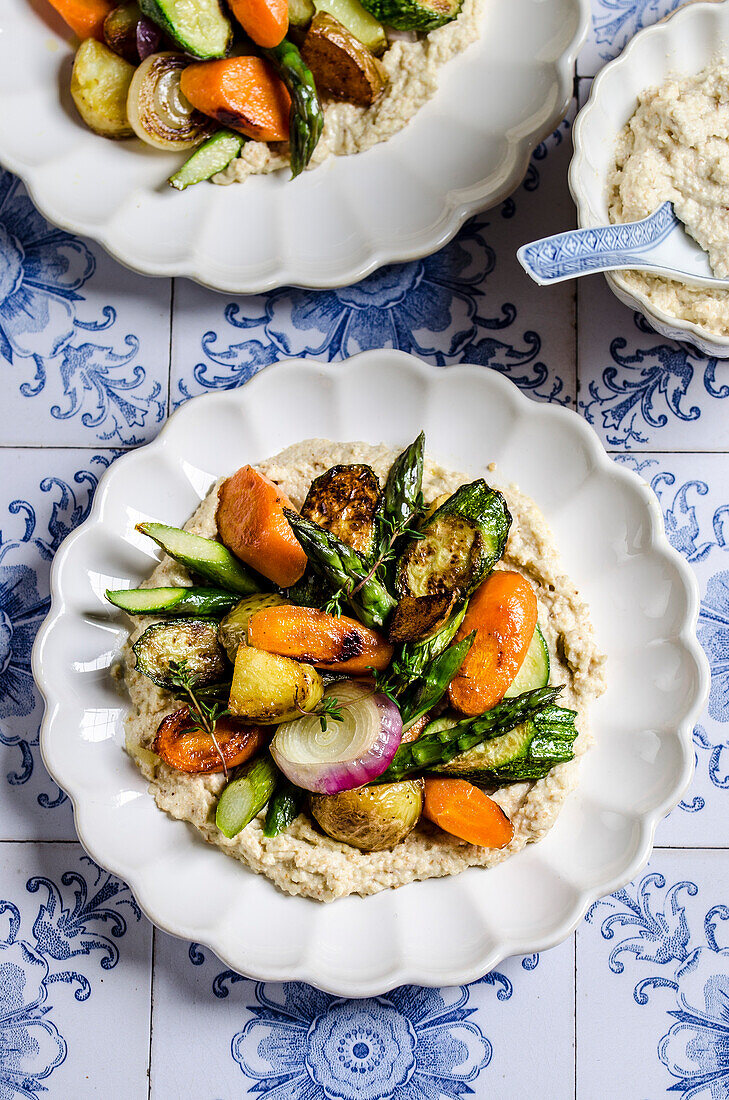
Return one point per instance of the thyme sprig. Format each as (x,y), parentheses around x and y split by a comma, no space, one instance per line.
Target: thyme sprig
(204,716)
(329,707)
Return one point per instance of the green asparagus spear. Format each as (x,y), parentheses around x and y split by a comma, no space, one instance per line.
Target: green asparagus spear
(430,688)
(432,749)
(172,601)
(342,567)
(306,118)
(283,807)
(404,484)
(245,796)
(208,558)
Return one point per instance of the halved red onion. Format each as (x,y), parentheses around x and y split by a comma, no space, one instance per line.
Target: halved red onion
(148,38)
(347,754)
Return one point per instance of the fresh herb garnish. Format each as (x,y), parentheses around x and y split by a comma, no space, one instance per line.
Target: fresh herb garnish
(204,716)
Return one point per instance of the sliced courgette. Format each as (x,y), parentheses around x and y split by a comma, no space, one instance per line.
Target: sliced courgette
(347,500)
(527,752)
(414,15)
(172,601)
(189,642)
(197,26)
(459,544)
(233,629)
(208,558)
(211,157)
(358,22)
(534,672)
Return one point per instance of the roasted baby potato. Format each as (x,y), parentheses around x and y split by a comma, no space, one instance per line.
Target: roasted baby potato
(99,85)
(463,540)
(346,500)
(420,616)
(120,31)
(269,689)
(342,66)
(370,818)
(233,629)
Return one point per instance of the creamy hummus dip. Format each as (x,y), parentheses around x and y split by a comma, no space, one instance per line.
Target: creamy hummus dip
(413,69)
(303,860)
(676,147)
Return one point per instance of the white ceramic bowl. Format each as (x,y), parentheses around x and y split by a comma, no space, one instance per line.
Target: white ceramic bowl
(684,44)
(644,603)
(466,150)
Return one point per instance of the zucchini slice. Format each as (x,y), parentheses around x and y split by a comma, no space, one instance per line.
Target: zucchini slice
(207,557)
(414,15)
(172,601)
(460,544)
(527,752)
(417,617)
(534,672)
(233,629)
(211,157)
(358,22)
(192,641)
(197,26)
(347,500)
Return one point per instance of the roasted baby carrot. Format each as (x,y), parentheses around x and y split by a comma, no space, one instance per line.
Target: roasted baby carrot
(463,810)
(325,641)
(190,749)
(265,21)
(503,613)
(84,17)
(251,523)
(243,93)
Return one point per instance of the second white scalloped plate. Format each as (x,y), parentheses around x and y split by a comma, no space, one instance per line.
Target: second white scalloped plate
(643,599)
(466,150)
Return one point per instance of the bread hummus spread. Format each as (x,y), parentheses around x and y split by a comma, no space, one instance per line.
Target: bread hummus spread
(303,860)
(676,147)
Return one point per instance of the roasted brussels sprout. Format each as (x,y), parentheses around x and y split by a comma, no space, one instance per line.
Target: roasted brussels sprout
(192,642)
(370,818)
(347,500)
(233,628)
(270,689)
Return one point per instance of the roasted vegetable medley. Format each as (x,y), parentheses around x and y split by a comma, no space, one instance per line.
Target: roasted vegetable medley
(367,660)
(208,75)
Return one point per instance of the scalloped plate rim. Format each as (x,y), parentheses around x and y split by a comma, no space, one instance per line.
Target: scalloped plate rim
(402,974)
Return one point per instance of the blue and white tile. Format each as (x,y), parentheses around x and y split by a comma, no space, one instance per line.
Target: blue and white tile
(693,491)
(84,344)
(642,391)
(653,983)
(272,1040)
(470,302)
(613,24)
(45,494)
(75,954)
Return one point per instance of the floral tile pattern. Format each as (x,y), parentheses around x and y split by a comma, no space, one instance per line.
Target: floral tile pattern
(92,1001)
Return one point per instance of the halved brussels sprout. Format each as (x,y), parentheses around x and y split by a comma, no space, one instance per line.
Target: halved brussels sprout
(370,818)
(233,629)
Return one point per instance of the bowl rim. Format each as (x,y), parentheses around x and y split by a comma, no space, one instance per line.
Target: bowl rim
(401,974)
(520,144)
(706,340)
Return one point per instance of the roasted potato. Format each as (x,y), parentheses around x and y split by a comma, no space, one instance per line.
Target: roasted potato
(342,67)
(233,629)
(120,31)
(460,544)
(99,86)
(269,689)
(346,500)
(420,616)
(370,818)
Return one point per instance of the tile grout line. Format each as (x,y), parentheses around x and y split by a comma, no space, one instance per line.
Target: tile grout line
(151,1012)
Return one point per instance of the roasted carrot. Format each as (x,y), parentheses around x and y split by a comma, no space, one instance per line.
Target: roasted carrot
(84,17)
(251,523)
(243,93)
(190,749)
(265,21)
(463,810)
(325,641)
(503,612)
(413,733)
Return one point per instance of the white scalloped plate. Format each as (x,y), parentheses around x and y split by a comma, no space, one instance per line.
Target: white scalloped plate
(466,150)
(644,603)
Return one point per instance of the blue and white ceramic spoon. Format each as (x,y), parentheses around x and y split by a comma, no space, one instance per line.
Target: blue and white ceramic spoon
(659,245)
